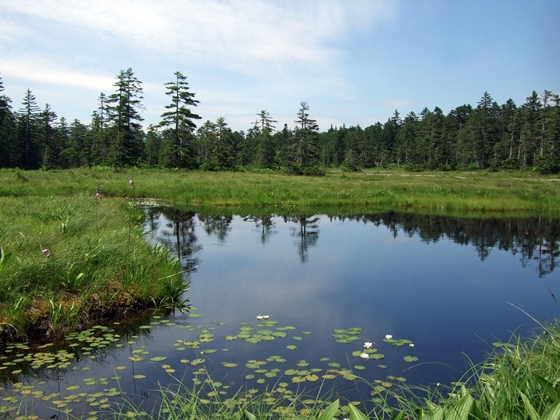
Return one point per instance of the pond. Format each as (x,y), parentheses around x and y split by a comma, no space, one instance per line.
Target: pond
(289,301)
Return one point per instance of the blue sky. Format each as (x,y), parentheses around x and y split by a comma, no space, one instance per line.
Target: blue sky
(352,61)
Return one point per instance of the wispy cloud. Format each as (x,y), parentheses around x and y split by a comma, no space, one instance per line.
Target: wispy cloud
(247,36)
(50,70)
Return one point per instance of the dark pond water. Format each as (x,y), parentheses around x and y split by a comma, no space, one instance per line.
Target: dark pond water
(449,286)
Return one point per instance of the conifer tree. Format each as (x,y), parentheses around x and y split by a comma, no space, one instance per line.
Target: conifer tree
(304,151)
(223,157)
(178,124)
(7,129)
(46,120)
(153,146)
(265,147)
(126,143)
(28,147)
(99,133)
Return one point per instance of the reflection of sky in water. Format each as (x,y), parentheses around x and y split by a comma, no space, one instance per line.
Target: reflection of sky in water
(439,295)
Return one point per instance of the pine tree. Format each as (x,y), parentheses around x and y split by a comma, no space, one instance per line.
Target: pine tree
(178,135)
(123,107)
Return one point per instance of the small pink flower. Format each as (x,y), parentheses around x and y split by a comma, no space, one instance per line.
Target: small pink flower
(131,182)
(46,252)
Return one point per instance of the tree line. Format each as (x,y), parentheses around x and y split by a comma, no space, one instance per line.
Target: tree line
(487,136)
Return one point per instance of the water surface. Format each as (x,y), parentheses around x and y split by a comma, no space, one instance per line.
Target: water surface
(450,286)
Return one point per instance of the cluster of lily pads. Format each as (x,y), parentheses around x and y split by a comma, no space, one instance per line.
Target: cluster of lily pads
(272,374)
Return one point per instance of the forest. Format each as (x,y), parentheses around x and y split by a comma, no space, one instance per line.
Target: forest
(470,137)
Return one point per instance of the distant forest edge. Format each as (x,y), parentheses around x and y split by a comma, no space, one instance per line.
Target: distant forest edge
(488,136)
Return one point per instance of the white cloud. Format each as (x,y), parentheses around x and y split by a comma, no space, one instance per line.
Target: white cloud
(247,36)
(49,70)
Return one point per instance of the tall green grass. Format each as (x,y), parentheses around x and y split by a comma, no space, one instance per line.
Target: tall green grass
(71,261)
(437,191)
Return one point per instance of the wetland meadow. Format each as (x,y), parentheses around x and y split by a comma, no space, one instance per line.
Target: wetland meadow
(181,294)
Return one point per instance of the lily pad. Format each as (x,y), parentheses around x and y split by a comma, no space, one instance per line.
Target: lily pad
(410,359)
(229,365)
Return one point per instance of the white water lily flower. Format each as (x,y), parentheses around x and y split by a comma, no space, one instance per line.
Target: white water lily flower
(367,344)
(364,356)
(388,336)
(259,317)
(266,316)
(411,345)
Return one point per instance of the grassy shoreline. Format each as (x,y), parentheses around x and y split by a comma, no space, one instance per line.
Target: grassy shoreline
(96,245)
(96,263)
(488,192)
(68,262)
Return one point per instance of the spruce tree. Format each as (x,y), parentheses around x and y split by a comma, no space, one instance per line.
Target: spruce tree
(126,137)
(7,129)
(178,124)
(303,151)
(46,120)
(28,144)
(265,147)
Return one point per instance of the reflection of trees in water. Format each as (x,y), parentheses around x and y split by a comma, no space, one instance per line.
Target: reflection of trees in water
(308,234)
(179,235)
(216,225)
(265,226)
(534,238)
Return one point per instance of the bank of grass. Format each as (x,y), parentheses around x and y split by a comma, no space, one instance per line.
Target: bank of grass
(480,192)
(70,261)
(518,381)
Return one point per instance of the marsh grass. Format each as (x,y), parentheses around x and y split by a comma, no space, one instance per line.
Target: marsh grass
(97,265)
(436,191)
(519,380)
(208,401)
